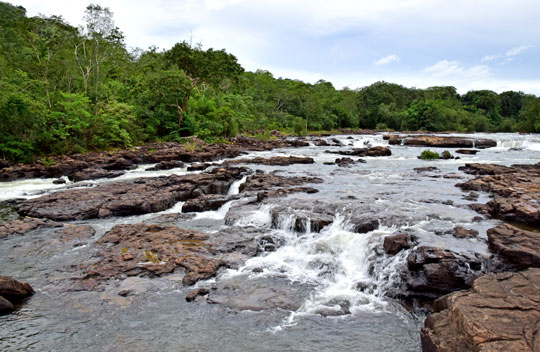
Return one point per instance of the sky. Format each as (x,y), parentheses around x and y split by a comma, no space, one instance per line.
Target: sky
(469,44)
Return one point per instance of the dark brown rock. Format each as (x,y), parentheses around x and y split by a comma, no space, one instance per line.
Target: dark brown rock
(518,247)
(395,243)
(94,174)
(434,272)
(276,160)
(5,306)
(14,290)
(364,152)
(140,196)
(166,165)
(501,312)
(205,203)
(264,182)
(467,151)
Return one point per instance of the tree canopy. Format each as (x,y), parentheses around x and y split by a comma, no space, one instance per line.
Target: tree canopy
(66,90)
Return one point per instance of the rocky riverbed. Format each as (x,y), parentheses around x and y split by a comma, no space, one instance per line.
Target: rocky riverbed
(275,245)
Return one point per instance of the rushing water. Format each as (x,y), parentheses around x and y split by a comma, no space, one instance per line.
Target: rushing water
(337,280)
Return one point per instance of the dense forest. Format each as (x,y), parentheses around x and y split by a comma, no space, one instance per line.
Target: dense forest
(65,89)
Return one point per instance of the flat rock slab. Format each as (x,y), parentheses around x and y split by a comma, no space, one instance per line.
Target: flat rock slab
(276,161)
(516,190)
(364,152)
(140,196)
(501,312)
(441,141)
(518,247)
(154,250)
(24,225)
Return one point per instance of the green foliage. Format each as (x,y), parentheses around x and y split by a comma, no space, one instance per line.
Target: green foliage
(66,90)
(429,155)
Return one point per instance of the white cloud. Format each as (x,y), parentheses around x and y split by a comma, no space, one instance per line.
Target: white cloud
(518,50)
(386,60)
(489,58)
(447,68)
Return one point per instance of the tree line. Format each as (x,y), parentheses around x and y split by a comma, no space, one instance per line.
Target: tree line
(68,90)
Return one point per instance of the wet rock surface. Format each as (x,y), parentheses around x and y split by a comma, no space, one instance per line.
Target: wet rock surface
(516,190)
(140,196)
(434,272)
(395,243)
(500,313)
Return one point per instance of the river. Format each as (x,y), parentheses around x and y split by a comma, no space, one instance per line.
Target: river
(335,283)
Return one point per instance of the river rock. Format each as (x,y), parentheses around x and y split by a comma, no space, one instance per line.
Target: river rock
(154,250)
(501,312)
(442,141)
(263,181)
(14,290)
(140,196)
(76,234)
(195,151)
(23,225)
(94,174)
(276,160)
(518,247)
(467,151)
(516,190)
(205,203)
(5,306)
(461,232)
(166,165)
(363,152)
(395,243)
(347,162)
(434,272)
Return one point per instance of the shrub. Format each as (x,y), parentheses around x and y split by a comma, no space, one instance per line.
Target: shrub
(429,155)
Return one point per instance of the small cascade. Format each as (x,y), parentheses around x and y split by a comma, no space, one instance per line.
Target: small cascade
(346,269)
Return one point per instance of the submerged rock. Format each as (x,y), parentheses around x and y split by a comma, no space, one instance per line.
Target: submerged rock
(500,313)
